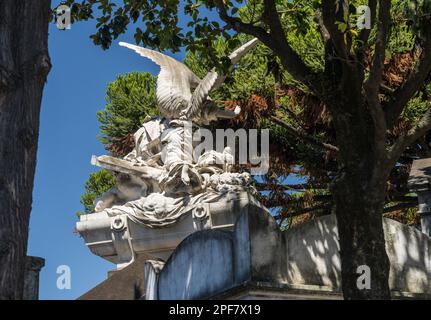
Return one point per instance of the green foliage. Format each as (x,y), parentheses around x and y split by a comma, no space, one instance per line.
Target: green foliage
(402,38)
(416,108)
(98,183)
(250,76)
(130,99)
(298,18)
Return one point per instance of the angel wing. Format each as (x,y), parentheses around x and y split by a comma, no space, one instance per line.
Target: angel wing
(213,79)
(175,81)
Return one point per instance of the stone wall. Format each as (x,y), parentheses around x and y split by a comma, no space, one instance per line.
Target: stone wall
(211,262)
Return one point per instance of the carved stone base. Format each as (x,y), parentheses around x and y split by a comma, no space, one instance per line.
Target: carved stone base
(119,239)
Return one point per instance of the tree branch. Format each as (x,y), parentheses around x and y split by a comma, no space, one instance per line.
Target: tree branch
(276,41)
(375,77)
(304,136)
(240,26)
(304,211)
(332,11)
(288,187)
(372,84)
(423,126)
(365,33)
(324,33)
(399,206)
(327,206)
(403,94)
(272,19)
(386,89)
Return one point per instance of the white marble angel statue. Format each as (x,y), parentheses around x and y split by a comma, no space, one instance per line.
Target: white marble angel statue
(182,95)
(160,177)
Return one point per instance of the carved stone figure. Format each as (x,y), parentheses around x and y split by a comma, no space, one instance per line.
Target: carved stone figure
(160,179)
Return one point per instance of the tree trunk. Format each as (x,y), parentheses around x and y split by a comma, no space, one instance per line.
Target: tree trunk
(362,240)
(359,204)
(24,65)
(360,186)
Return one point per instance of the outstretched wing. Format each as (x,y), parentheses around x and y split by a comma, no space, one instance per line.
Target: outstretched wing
(213,79)
(174,82)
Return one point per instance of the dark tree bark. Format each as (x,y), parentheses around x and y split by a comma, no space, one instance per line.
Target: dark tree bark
(359,195)
(359,189)
(24,65)
(361,235)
